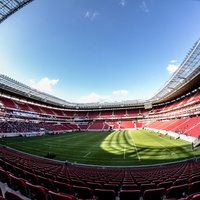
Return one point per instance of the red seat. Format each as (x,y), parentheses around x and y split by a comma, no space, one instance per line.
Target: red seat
(194,178)
(62,187)
(50,176)
(103,194)
(129,194)
(178,191)
(180,181)
(10,168)
(31,178)
(12,196)
(128,186)
(45,182)
(20,173)
(18,184)
(77,182)
(82,192)
(165,184)
(196,197)
(111,186)
(38,192)
(155,194)
(94,186)
(61,196)
(4,177)
(194,187)
(62,179)
(189,197)
(146,186)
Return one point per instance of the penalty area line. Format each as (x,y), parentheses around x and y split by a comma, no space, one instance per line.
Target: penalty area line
(86,154)
(134,146)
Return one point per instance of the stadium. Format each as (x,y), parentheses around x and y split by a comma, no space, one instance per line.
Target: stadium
(134,149)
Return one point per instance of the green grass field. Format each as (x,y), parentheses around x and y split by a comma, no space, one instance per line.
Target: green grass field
(118,148)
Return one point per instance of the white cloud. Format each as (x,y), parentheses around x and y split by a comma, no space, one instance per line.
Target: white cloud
(144,7)
(94,15)
(120,92)
(44,85)
(91,15)
(122,2)
(92,98)
(87,14)
(173,61)
(172,68)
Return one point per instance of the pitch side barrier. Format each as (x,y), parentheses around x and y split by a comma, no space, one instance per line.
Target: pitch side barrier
(22,134)
(196,142)
(172,134)
(195,159)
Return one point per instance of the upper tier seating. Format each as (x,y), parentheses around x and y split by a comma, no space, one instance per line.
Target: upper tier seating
(96,125)
(106,114)
(8,102)
(119,113)
(188,126)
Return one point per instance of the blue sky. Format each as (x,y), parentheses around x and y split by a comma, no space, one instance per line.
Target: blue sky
(98,50)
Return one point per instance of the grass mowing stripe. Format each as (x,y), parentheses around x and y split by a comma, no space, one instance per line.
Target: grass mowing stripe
(124,152)
(106,148)
(134,145)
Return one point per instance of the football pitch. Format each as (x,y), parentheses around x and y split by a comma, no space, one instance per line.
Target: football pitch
(118,148)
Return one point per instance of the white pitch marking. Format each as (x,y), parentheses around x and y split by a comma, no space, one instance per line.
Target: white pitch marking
(87,154)
(134,145)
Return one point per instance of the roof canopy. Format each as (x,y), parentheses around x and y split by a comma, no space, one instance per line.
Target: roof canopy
(188,72)
(8,7)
